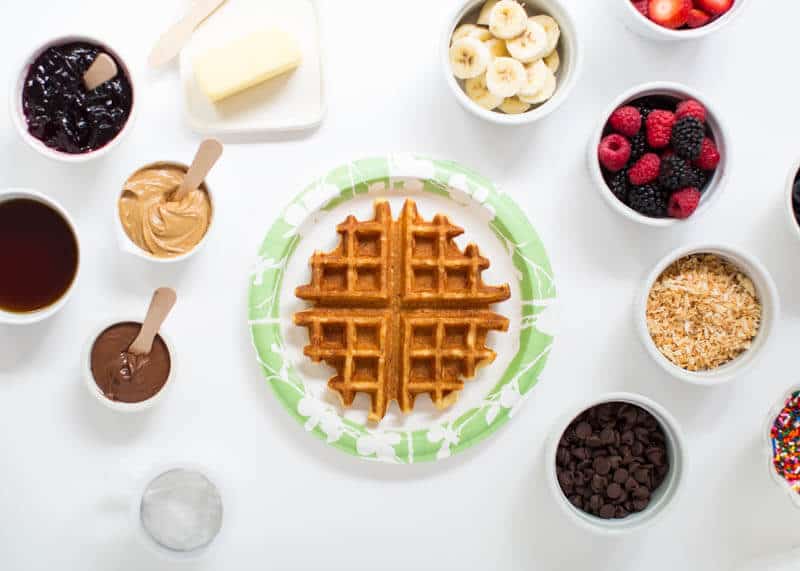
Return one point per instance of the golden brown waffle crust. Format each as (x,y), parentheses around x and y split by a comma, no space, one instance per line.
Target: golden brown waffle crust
(400,310)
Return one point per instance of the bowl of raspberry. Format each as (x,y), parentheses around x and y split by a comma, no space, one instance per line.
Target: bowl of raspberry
(658,157)
(677,19)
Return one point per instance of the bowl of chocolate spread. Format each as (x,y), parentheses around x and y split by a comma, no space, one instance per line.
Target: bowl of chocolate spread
(121,380)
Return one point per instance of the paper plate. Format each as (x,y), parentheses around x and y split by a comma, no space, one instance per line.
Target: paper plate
(490,219)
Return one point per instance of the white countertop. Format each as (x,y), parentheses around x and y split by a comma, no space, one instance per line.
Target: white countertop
(69,465)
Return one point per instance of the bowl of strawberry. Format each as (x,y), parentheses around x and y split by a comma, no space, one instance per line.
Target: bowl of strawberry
(658,156)
(678,19)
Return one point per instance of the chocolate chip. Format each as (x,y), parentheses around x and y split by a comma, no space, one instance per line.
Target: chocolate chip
(594,441)
(562,456)
(621,512)
(621,476)
(631,484)
(602,465)
(642,434)
(627,437)
(576,501)
(599,483)
(641,492)
(595,502)
(642,475)
(580,453)
(607,511)
(607,435)
(637,448)
(655,455)
(639,505)
(583,430)
(613,491)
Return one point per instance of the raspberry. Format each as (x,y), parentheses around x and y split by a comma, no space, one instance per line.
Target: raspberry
(645,170)
(683,203)
(687,137)
(626,121)
(659,128)
(691,108)
(614,152)
(674,172)
(649,199)
(709,155)
(641,6)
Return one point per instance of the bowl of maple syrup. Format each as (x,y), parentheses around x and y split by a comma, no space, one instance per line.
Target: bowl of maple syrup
(39,256)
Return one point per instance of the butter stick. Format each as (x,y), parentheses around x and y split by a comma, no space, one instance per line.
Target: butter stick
(246,62)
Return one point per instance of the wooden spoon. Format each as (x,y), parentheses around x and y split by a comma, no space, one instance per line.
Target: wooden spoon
(171,43)
(161,304)
(102,69)
(207,154)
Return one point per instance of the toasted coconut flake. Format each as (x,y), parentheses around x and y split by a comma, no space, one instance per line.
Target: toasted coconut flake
(703,312)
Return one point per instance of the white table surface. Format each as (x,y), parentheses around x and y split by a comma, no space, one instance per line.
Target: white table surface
(68,464)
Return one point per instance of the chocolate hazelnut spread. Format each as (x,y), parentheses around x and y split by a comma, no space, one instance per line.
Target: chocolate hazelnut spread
(123,376)
(154,221)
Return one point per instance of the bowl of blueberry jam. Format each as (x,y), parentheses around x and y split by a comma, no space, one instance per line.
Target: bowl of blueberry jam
(57,115)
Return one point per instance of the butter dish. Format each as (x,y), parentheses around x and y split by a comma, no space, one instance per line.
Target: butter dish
(289,102)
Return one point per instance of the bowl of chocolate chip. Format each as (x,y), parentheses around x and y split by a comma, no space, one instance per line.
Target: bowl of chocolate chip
(616,463)
(60,111)
(121,380)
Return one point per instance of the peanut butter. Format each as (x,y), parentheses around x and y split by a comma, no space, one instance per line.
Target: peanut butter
(153,221)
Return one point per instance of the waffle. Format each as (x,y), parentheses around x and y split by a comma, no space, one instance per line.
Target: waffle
(399,310)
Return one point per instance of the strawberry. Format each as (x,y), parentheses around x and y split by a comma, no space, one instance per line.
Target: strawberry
(697,18)
(669,13)
(714,7)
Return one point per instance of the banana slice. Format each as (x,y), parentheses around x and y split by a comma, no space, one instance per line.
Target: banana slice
(514,106)
(467,30)
(468,57)
(545,93)
(507,19)
(497,48)
(530,45)
(551,27)
(553,61)
(476,89)
(537,73)
(505,76)
(483,17)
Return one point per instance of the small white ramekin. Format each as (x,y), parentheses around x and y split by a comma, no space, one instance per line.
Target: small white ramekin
(128,246)
(213,475)
(94,390)
(794,495)
(713,188)
(636,22)
(9,318)
(663,498)
(569,47)
(770,309)
(794,225)
(18,116)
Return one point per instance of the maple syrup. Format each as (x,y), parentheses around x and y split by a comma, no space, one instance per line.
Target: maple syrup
(38,255)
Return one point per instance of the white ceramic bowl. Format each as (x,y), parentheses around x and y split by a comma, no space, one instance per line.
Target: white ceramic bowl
(770,309)
(94,390)
(645,27)
(128,246)
(794,225)
(18,116)
(664,497)
(569,49)
(713,188)
(765,431)
(45,312)
(212,475)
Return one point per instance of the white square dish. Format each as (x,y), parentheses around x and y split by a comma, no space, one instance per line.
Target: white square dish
(290,102)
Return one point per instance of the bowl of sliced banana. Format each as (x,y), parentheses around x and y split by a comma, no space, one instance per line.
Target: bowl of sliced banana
(511,62)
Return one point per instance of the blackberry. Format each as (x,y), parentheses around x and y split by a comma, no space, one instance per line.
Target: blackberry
(638,146)
(649,199)
(687,137)
(675,173)
(619,186)
(698,178)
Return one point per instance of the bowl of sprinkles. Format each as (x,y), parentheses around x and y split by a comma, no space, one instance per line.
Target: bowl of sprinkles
(783,434)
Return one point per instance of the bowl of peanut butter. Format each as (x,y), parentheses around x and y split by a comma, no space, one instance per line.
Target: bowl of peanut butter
(153,224)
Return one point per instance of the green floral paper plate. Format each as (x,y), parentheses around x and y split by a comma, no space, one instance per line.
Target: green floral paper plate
(402,175)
